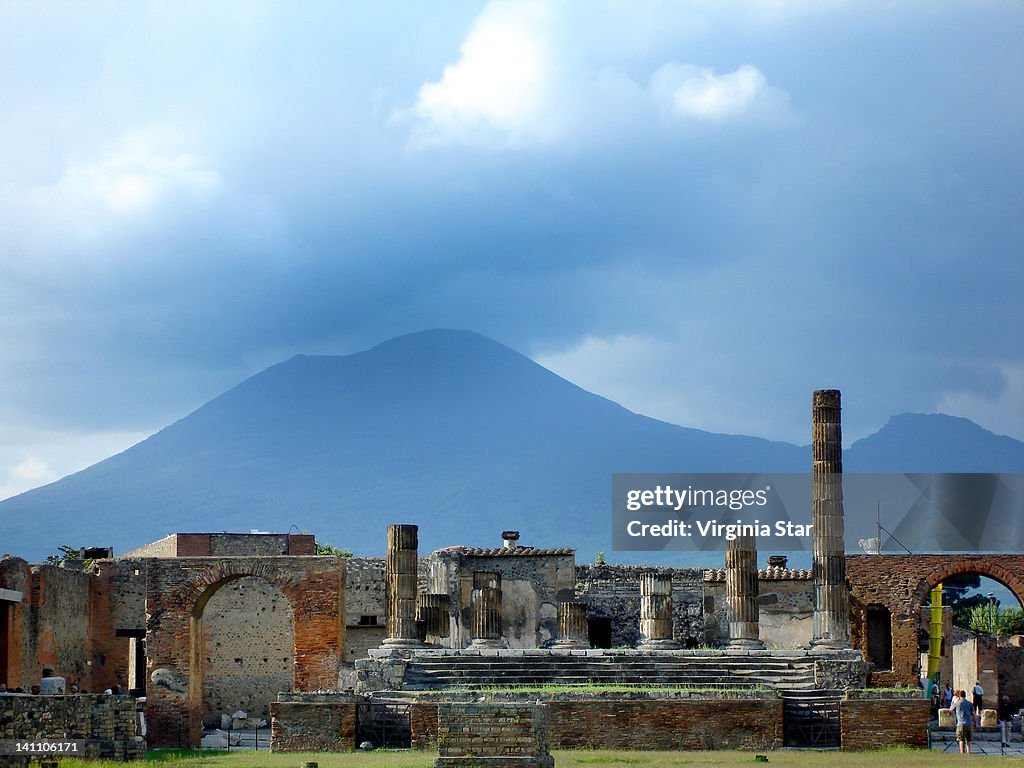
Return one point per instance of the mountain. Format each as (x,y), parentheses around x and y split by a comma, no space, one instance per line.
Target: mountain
(446,429)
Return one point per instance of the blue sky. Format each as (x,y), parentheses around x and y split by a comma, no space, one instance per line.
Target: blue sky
(702,210)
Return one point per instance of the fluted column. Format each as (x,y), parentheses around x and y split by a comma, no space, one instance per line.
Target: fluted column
(831,598)
(656,612)
(432,614)
(400,578)
(487,610)
(573,631)
(741,590)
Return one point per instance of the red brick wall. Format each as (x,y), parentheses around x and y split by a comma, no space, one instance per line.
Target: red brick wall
(191,544)
(176,593)
(312,727)
(643,724)
(874,723)
(900,583)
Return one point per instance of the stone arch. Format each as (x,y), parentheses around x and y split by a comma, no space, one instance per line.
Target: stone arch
(201,650)
(901,583)
(955,567)
(178,591)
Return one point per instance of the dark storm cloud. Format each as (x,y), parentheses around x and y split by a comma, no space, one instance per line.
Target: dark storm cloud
(809,195)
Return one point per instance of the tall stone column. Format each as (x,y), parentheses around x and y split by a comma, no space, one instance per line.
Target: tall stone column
(400,580)
(656,612)
(572,626)
(831,597)
(741,589)
(487,610)
(432,615)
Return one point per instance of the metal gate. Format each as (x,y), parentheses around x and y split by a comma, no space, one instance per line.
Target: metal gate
(810,722)
(384,723)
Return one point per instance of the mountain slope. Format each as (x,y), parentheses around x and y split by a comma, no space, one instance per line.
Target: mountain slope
(446,429)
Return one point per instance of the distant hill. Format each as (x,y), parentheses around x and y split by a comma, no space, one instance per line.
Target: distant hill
(446,429)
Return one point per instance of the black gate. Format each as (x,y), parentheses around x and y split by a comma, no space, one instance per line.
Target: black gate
(384,723)
(810,722)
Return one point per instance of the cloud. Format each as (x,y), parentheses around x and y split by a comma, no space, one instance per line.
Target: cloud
(1000,409)
(523,79)
(502,81)
(698,93)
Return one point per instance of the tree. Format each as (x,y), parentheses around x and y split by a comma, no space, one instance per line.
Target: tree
(65,552)
(331,550)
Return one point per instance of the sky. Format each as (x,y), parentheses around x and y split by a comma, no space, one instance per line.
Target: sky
(702,210)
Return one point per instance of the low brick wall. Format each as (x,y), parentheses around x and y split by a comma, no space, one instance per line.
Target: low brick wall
(640,722)
(106,723)
(328,725)
(505,733)
(868,721)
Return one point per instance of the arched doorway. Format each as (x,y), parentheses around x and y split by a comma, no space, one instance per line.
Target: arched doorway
(246,648)
(978,615)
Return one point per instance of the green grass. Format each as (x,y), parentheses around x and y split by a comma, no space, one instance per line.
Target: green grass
(891,758)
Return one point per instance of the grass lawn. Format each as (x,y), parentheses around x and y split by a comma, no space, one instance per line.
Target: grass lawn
(890,758)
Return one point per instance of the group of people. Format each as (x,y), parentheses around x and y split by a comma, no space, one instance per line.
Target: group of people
(967,711)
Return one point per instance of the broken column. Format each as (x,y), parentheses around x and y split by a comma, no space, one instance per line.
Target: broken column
(741,589)
(400,580)
(656,612)
(831,599)
(486,610)
(572,626)
(432,616)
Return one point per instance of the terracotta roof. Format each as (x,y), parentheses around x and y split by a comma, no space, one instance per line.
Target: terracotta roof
(511,551)
(769,574)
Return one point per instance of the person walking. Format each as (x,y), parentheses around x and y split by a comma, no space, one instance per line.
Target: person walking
(963,710)
(978,694)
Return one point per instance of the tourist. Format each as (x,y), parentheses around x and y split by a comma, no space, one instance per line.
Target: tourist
(1005,709)
(948,696)
(963,710)
(978,692)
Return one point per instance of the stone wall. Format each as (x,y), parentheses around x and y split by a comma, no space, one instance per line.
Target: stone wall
(49,627)
(613,592)
(247,646)
(327,725)
(106,723)
(1010,657)
(785,608)
(867,722)
(228,545)
(491,731)
(533,582)
(689,720)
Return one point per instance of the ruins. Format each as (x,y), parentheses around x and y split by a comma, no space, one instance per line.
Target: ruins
(333,651)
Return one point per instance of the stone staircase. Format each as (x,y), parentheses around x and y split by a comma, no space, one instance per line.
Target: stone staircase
(435,672)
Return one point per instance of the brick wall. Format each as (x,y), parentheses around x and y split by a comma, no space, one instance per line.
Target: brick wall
(642,723)
(506,729)
(313,726)
(50,626)
(106,723)
(247,648)
(874,723)
(900,583)
(117,613)
(178,591)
